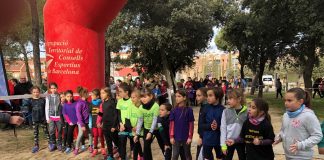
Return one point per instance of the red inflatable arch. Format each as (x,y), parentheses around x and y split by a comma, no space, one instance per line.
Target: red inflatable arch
(74,35)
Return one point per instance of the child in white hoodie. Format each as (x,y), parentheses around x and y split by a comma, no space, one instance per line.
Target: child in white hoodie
(231,124)
(300,130)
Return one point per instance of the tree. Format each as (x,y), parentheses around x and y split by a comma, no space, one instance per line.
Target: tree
(259,33)
(167,34)
(308,39)
(318,71)
(116,39)
(15,40)
(35,41)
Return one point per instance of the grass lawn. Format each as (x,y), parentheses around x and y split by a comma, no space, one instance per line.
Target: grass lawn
(270,97)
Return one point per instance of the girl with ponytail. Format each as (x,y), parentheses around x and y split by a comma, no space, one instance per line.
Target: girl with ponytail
(257,132)
(300,130)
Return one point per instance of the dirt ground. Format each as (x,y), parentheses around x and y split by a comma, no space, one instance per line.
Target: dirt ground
(19,148)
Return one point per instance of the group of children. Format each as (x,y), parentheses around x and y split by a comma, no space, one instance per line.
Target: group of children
(138,118)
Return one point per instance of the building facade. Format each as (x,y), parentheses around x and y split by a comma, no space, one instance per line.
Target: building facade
(213,64)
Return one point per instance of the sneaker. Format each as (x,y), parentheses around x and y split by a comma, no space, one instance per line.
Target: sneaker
(94,153)
(140,158)
(52,147)
(63,148)
(90,148)
(35,149)
(59,147)
(76,151)
(103,151)
(83,148)
(68,150)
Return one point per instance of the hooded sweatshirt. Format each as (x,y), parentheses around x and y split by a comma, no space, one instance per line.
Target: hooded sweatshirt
(231,124)
(82,112)
(305,130)
(70,113)
(53,107)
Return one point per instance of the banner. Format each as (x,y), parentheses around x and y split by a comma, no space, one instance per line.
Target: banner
(3,79)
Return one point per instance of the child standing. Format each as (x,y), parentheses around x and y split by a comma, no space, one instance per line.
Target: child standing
(38,116)
(181,126)
(232,122)
(108,120)
(201,97)
(210,123)
(191,95)
(53,117)
(65,125)
(163,124)
(300,129)
(150,112)
(123,105)
(82,112)
(257,132)
(157,91)
(94,108)
(71,119)
(131,123)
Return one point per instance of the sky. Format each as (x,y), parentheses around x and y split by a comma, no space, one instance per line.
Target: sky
(212,45)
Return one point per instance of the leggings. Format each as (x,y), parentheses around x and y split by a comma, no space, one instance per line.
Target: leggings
(122,145)
(137,149)
(65,133)
(80,138)
(52,127)
(147,144)
(97,133)
(176,150)
(240,148)
(110,137)
(69,136)
(36,132)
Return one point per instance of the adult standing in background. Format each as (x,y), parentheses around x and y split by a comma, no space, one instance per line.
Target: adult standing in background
(138,83)
(206,80)
(316,87)
(278,87)
(24,86)
(113,87)
(129,80)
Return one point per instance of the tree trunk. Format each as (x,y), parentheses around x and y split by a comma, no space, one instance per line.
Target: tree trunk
(168,74)
(35,42)
(309,65)
(242,71)
(24,52)
(107,64)
(261,70)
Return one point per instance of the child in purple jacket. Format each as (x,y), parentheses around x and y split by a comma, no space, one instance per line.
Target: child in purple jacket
(70,117)
(82,113)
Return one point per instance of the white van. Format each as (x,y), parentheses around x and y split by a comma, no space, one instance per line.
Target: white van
(268,80)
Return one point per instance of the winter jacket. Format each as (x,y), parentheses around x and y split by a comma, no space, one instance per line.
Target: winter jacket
(82,112)
(209,114)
